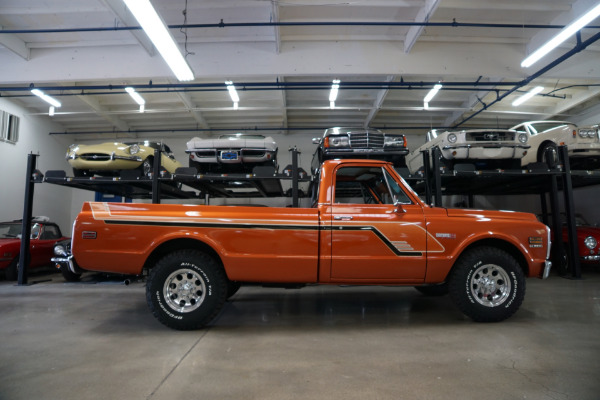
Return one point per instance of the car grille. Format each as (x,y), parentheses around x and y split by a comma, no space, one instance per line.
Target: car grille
(95,157)
(490,136)
(366,140)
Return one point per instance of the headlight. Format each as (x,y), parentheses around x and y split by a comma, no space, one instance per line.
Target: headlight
(583,133)
(60,250)
(523,138)
(134,149)
(452,138)
(395,141)
(590,242)
(339,141)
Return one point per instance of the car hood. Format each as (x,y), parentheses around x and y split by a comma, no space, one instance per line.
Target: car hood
(100,147)
(514,215)
(198,143)
(585,231)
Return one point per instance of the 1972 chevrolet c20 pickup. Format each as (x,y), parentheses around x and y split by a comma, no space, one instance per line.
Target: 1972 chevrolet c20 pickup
(366,227)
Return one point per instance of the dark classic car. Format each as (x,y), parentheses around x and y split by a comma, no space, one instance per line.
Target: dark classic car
(44,235)
(359,143)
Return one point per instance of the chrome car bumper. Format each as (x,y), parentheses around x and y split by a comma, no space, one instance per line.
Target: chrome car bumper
(547,267)
(68,260)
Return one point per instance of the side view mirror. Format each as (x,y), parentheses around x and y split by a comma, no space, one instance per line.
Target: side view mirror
(316,140)
(398,208)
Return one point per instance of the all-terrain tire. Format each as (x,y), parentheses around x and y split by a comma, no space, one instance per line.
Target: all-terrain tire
(186,289)
(487,284)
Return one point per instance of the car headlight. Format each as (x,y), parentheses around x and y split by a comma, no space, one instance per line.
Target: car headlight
(590,242)
(134,149)
(452,138)
(60,250)
(583,133)
(394,141)
(523,138)
(339,141)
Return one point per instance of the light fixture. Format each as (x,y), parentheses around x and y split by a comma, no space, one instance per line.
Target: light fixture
(527,96)
(50,100)
(136,97)
(233,94)
(432,93)
(563,35)
(51,111)
(333,93)
(158,33)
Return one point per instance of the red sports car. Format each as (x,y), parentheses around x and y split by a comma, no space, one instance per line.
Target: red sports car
(588,240)
(44,235)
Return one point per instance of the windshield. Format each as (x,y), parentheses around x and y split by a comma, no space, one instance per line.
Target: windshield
(539,127)
(10,231)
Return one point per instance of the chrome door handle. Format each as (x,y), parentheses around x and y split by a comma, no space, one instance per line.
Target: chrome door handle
(341,217)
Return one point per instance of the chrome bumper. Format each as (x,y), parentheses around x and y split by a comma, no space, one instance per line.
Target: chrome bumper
(547,267)
(68,260)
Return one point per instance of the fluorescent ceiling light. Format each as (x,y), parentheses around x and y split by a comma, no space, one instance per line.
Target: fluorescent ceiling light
(135,95)
(334,90)
(46,98)
(232,92)
(332,104)
(527,96)
(563,35)
(158,33)
(432,93)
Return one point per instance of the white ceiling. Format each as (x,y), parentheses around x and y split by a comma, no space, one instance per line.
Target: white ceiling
(391,67)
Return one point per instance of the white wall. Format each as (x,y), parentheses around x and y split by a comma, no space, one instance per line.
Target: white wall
(49,200)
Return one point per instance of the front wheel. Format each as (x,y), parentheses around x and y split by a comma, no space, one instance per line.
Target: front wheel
(186,289)
(487,284)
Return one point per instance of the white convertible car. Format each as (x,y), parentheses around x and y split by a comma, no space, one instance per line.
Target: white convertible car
(485,148)
(583,144)
(232,153)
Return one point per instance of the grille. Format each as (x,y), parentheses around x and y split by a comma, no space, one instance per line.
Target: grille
(95,156)
(366,140)
(490,136)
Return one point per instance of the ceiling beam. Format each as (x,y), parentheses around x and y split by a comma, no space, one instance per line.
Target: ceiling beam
(276,29)
(16,45)
(422,16)
(191,107)
(381,95)
(104,113)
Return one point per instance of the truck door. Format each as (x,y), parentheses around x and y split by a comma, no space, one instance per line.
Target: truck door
(371,238)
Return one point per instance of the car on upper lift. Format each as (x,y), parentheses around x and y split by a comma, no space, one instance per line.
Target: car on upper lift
(109,159)
(583,144)
(237,152)
(484,148)
(44,235)
(355,142)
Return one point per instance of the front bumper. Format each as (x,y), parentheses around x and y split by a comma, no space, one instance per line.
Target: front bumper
(232,156)
(584,149)
(363,152)
(547,268)
(67,261)
(484,151)
(104,161)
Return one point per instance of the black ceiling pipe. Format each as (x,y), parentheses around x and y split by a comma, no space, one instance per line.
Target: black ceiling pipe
(453,24)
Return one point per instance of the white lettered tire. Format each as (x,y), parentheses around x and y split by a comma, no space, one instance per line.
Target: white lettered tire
(186,289)
(487,284)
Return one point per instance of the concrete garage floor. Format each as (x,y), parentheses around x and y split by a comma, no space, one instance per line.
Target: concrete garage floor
(99,341)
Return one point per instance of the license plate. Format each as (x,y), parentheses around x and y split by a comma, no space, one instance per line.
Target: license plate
(229,155)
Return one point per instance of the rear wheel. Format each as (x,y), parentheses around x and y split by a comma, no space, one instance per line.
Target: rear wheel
(487,284)
(147,166)
(186,289)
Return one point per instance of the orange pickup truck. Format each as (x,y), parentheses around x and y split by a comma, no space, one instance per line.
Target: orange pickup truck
(366,227)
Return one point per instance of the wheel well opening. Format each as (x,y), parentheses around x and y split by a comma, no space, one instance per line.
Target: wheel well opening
(180,244)
(503,245)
